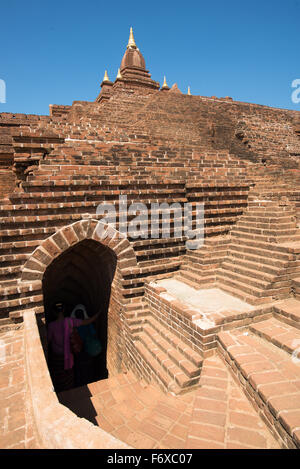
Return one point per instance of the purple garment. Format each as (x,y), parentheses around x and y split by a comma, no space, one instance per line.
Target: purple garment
(59,336)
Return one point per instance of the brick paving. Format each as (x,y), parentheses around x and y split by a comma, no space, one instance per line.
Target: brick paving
(217,415)
(271,374)
(16,429)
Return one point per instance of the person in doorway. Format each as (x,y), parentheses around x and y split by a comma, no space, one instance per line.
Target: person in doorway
(61,358)
(85,363)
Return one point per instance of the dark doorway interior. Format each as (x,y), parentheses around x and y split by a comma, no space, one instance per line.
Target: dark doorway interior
(83,275)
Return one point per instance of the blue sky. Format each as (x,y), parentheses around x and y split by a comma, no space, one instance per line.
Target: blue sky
(56,52)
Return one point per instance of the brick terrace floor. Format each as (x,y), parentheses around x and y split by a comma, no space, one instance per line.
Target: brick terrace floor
(16,429)
(217,415)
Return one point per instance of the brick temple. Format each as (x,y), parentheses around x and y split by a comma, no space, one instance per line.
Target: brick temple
(201,343)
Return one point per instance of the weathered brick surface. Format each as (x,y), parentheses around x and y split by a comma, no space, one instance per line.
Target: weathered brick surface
(240,160)
(16,428)
(144,417)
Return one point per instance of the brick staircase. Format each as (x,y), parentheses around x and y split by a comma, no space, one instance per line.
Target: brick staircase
(199,266)
(259,258)
(266,361)
(167,359)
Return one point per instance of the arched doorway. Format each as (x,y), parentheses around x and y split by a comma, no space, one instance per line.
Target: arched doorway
(83,274)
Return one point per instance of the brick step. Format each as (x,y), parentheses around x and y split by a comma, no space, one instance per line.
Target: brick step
(135,323)
(274,226)
(238,234)
(137,312)
(278,333)
(161,250)
(200,269)
(288,311)
(213,230)
(289,239)
(259,285)
(279,289)
(272,208)
(220,193)
(292,247)
(255,264)
(158,373)
(210,258)
(252,217)
(180,360)
(251,295)
(239,268)
(161,265)
(267,205)
(190,283)
(270,380)
(196,278)
(140,244)
(208,249)
(237,204)
(239,228)
(217,230)
(218,241)
(262,248)
(262,220)
(136,306)
(274,260)
(206,258)
(154,327)
(176,374)
(257,200)
(187,264)
(216,218)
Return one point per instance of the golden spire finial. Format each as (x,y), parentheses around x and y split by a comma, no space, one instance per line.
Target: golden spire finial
(119,74)
(131,43)
(105,78)
(165,83)
(189,91)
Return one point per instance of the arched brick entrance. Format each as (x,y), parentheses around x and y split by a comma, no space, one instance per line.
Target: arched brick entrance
(84,263)
(70,235)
